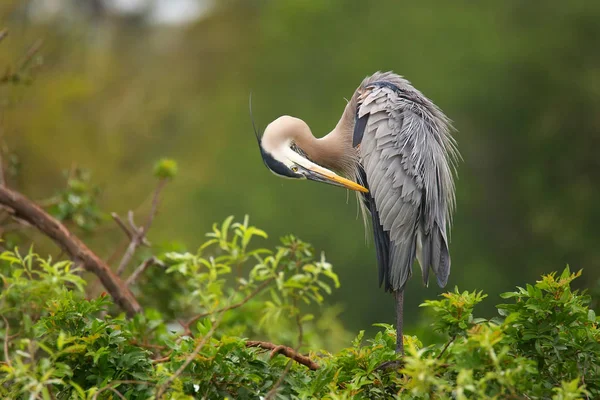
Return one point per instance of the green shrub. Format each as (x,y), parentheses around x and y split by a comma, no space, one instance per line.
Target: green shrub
(59,344)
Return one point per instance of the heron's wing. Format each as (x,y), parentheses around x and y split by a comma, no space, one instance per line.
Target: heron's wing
(405,167)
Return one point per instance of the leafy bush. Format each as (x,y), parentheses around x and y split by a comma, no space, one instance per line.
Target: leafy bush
(234,305)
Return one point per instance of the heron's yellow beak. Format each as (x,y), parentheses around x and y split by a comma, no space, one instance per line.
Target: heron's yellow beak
(324,175)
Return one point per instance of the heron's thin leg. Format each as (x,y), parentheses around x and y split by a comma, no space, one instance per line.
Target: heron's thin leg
(399,320)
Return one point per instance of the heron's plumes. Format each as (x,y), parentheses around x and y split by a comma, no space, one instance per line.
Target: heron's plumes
(408,154)
(256,132)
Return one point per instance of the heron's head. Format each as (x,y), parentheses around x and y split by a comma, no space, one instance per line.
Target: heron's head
(284,149)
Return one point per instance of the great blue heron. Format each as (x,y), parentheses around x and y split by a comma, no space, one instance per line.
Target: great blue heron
(394,146)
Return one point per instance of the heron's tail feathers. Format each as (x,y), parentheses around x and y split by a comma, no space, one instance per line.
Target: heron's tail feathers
(432,252)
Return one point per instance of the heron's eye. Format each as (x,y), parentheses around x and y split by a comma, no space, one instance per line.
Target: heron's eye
(294,169)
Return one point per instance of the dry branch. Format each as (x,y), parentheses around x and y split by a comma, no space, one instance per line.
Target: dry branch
(137,235)
(25,209)
(140,270)
(286,351)
(280,348)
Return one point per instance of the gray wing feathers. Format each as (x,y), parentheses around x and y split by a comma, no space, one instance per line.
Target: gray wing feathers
(407,153)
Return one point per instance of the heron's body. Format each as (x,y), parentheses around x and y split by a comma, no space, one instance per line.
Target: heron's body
(396,144)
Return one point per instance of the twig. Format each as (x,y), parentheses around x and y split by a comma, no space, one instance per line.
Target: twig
(133,245)
(246,299)
(112,385)
(155,202)
(121,224)
(30,53)
(3,34)
(161,389)
(137,235)
(2,172)
(286,351)
(14,76)
(115,391)
(140,270)
(25,209)
(137,238)
(452,339)
(273,390)
(6,338)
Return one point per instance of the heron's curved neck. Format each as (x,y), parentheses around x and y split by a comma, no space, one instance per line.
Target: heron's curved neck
(333,151)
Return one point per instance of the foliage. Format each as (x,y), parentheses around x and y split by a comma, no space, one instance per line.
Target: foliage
(60,344)
(519,79)
(77,203)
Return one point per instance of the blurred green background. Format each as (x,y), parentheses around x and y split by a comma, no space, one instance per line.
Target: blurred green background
(122,83)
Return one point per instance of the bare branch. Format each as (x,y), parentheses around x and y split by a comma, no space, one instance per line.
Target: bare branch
(121,224)
(137,235)
(132,226)
(286,351)
(273,390)
(25,209)
(30,53)
(133,245)
(155,203)
(115,391)
(3,34)
(140,270)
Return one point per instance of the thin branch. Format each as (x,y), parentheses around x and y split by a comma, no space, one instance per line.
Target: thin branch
(452,339)
(246,299)
(273,390)
(137,235)
(30,53)
(2,147)
(161,389)
(140,270)
(3,34)
(155,203)
(15,76)
(286,351)
(133,245)
(112,385)
(115,391)
(121,224)
(299,324)
(6,339)
(25,209)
